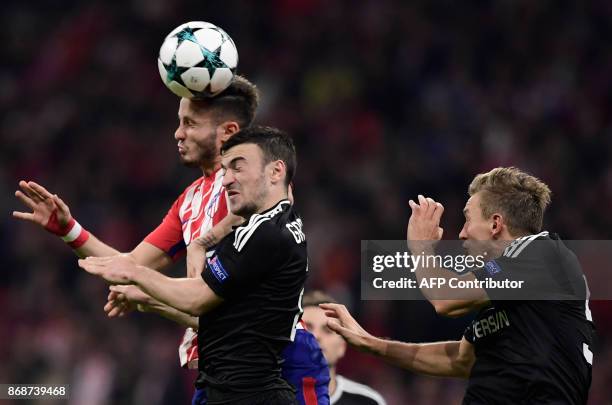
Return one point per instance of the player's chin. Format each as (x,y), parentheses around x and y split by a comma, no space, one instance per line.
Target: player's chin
(187,161)
(235,208)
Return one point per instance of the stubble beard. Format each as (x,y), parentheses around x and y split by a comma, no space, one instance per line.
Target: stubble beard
(251,207)
(207,152)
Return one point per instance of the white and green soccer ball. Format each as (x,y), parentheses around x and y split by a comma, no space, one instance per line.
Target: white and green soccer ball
(197,60)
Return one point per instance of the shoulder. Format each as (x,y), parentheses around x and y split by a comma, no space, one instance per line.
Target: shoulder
(346,387)
(265,228)
(529,246)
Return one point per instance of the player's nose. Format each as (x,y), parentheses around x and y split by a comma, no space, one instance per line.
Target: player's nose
(179,134)
(228,178)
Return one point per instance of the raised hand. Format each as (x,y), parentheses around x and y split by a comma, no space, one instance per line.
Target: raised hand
(424,223)
(48,210)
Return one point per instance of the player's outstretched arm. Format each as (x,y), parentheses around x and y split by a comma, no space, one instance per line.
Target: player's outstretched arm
(189,295)
(51,213)
(123,298)
(444,359)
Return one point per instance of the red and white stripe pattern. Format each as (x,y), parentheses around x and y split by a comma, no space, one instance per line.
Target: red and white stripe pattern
(200,209)
(188,349)
(204,206)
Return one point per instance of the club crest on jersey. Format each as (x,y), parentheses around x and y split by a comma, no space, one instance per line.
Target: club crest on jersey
(217,269)
(492,268)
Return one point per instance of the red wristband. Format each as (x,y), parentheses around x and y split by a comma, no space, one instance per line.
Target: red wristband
(75,236)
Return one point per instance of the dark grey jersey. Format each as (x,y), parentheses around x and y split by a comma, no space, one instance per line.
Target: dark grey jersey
(533,351)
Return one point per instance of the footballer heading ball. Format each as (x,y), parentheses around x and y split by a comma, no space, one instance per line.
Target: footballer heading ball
(197,60)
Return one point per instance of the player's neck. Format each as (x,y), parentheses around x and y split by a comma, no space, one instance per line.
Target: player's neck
(273,198)
(210,168)
(333,384)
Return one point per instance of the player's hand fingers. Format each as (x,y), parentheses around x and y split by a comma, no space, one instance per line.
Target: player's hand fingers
(120,290)
(329,306)
(431,208)
(423,202)
(61,205)
(115,311)
(40,190)
(112,295)
(90,266)
(28,216)
(438,211)
(103,260)
(108,307)
(26,189)
(440,233)
(340,312)
(335,325)
(330,313)
(330,310)
(26,199)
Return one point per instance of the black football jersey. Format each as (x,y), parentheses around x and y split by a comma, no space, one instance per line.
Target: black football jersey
(533,351)
(259,270)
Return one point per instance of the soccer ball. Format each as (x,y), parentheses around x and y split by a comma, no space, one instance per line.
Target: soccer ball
(197,60)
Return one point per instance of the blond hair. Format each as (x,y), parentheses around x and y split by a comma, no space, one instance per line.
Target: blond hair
(518,196)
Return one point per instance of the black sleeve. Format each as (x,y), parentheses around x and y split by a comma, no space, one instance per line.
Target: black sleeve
(234,267)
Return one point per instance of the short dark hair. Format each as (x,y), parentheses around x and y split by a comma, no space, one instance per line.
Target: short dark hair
(238,102)
(316,297)
(520,197)
(274,143)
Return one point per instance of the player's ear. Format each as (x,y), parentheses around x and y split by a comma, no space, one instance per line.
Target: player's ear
(227,129)
(278,171)
(497,222)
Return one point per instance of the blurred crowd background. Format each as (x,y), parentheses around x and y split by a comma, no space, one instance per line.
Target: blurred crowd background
(385,99)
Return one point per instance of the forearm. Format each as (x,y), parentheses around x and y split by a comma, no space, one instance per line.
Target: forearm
(170,313)
(440,359)
(96,248)
(184,294)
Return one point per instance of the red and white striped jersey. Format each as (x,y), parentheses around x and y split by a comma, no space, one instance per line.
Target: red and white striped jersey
(201,206)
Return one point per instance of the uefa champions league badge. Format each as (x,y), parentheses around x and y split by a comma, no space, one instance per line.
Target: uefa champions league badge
(217,269)
(492,268)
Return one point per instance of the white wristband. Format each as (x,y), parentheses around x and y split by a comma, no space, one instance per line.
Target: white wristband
(73,233)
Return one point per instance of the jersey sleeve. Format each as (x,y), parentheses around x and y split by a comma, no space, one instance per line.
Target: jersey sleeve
(238,264)
(168,236)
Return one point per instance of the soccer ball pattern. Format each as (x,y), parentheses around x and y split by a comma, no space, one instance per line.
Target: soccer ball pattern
(197,59)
